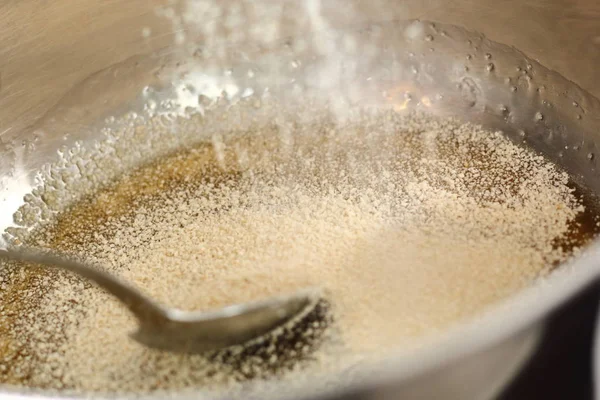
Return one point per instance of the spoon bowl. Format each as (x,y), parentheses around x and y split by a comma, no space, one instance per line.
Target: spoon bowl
(181,331)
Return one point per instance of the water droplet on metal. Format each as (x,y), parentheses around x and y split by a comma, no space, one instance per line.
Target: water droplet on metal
(539,116)
(488,56)
(429,38)
(490,67)
(469,91)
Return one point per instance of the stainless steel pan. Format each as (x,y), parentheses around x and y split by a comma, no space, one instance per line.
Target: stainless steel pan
(66,67)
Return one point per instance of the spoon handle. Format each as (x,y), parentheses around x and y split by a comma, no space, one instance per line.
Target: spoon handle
(146,311)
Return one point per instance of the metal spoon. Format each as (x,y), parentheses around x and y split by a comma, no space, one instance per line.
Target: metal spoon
(182,331)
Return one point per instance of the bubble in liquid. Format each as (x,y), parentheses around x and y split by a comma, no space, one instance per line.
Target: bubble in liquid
(488,56)
(490,67)
(513,89)
(578,116)
(429,38)
(522,133)
(575,104)
(590,156)
(539,116)
(469,56)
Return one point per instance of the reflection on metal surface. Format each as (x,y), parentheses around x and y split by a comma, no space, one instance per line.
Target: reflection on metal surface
(72,65)
(426,101)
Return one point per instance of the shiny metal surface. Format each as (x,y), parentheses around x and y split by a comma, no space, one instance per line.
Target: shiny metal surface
(50,47)
(66,67)
(177,330)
